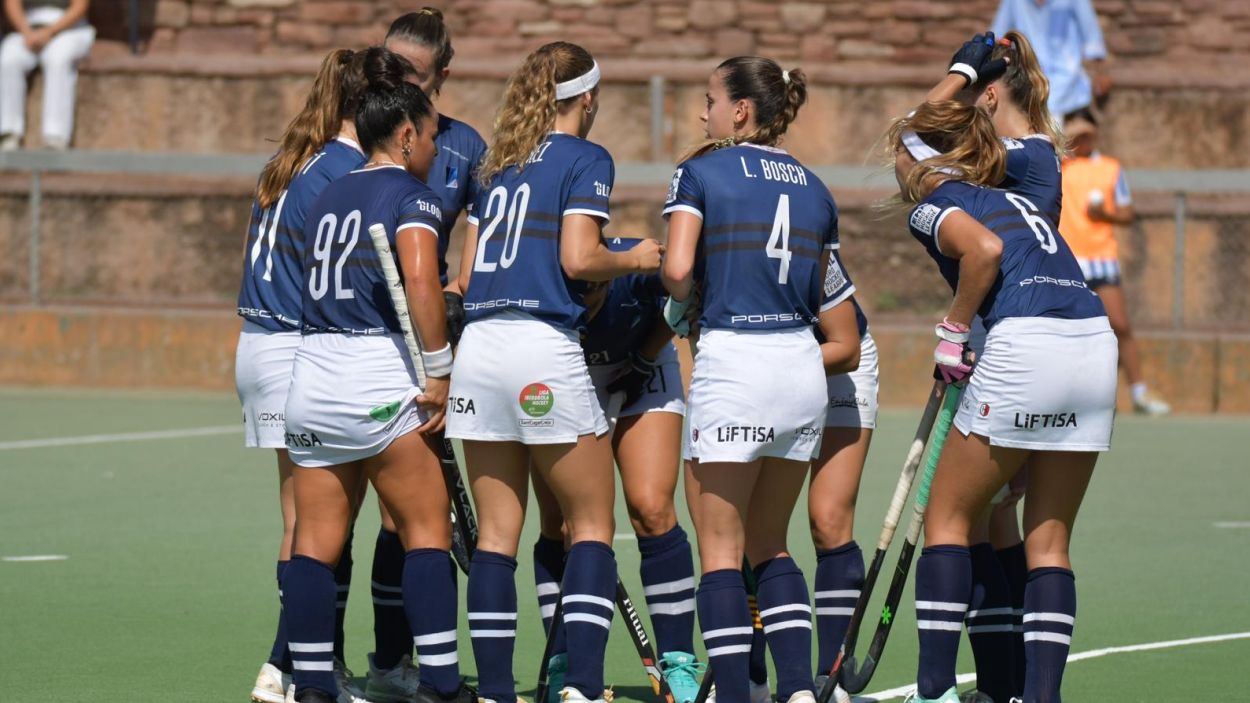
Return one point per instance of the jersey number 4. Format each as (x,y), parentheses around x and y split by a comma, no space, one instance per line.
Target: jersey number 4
(1037,223)
(778,246)
(512,215)
(328,230)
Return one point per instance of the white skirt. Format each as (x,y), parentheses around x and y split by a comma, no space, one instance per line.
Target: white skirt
(756,394)
(664,394)
(351,396)
(518,379)
(1044,384)
(853,396)
(262,376)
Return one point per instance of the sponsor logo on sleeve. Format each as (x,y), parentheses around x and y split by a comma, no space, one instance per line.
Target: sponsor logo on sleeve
(834,280)
(924,217)
(673,185)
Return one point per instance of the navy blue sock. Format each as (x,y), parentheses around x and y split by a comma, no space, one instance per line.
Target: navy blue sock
(725,621)
(492,623)
(943,584)
(343,586)
(839,578)
(430,591)
(786,613)
(990,622)
(757,664)
(308,594)
(392,638)
(548,574)
(667,571)
(588,600)
(279,654)
(1049,616)
(1016,568)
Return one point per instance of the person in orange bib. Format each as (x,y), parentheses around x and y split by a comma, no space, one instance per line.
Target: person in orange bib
(1096,198)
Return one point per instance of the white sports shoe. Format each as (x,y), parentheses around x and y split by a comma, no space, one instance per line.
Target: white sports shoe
(270,685)
(348,691)
(395,685)
(802,697)
(572,695)
(839,694)
(1151,405)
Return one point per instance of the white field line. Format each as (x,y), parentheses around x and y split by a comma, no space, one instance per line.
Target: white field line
(121,437)
(901,691)
(1232,525)
(36,557)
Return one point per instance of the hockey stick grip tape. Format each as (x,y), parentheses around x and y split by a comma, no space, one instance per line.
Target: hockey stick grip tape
(950,405)
(394,286)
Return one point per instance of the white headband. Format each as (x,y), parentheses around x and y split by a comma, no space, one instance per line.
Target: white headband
(920,151)
(576,86)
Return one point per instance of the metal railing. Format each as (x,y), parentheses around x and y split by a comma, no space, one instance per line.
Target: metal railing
(1181,185)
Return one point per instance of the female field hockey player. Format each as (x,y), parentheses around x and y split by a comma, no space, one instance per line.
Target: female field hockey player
(637,379)
(378,424)
(318,147)
(751,229)
(423,39)
(1043,391)
(521,391)
(1005,78)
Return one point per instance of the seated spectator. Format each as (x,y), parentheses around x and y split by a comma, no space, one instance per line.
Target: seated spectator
(1065,34)
(1095,199)
(54,35)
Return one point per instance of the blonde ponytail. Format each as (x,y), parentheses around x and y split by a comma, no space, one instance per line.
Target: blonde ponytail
(1028,87)
(969,147)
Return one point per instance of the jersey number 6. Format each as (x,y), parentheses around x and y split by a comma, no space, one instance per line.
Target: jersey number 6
(779,240)
(1037,223)
(495,209)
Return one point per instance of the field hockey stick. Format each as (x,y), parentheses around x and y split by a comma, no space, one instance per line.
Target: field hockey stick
(855,679)
(464,523)
(557,615)
(642,643)
(748,577)
(895,512)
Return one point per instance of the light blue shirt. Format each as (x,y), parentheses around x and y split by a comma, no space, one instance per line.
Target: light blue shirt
(1064,33)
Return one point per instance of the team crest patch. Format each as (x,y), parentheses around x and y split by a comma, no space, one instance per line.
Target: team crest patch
(453,177)
(383,413)
(834,280)
(673,185)
(924,217)
(537,400)
(985,410)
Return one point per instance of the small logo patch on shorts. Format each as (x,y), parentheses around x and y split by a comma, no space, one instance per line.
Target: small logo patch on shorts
(383,413)
(985,410)
(537,400)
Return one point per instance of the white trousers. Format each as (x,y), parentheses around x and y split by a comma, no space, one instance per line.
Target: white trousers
(59,60)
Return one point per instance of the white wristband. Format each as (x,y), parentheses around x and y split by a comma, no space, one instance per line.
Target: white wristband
(437,363)
(964,70)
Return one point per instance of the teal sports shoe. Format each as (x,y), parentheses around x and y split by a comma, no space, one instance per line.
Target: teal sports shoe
(951,696)
(557,667)
(680,670)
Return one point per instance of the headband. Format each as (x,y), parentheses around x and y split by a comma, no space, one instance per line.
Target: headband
(576,86)
(920,151)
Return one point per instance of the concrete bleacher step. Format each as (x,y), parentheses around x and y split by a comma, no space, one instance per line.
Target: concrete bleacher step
(1159,117)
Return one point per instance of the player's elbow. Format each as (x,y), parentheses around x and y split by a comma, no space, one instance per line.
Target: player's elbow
(841,358)
(989,251)
(675,273)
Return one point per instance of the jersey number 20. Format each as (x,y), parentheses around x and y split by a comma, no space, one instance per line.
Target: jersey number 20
(496,207)
(778,246)
(348,234)
(1037,223)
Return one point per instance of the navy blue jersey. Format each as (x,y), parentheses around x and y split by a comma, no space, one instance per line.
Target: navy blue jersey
(345,291)
(1038,276)
(767,221)
(273,263)
(837,289)
(518,214)
(630,308)
(454,177)
(1033,171)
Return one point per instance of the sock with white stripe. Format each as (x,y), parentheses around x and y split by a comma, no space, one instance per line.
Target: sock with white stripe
(1016,567)
(343,586)
(588,602)
(392,638)
(990,622)
(548,573)
(430,598)
(309,595)
(1049,616)
(757,664)
(839,578)
(667,571)
(725,621)
(279,654)
(943,584)
(787,615)
(492,623)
